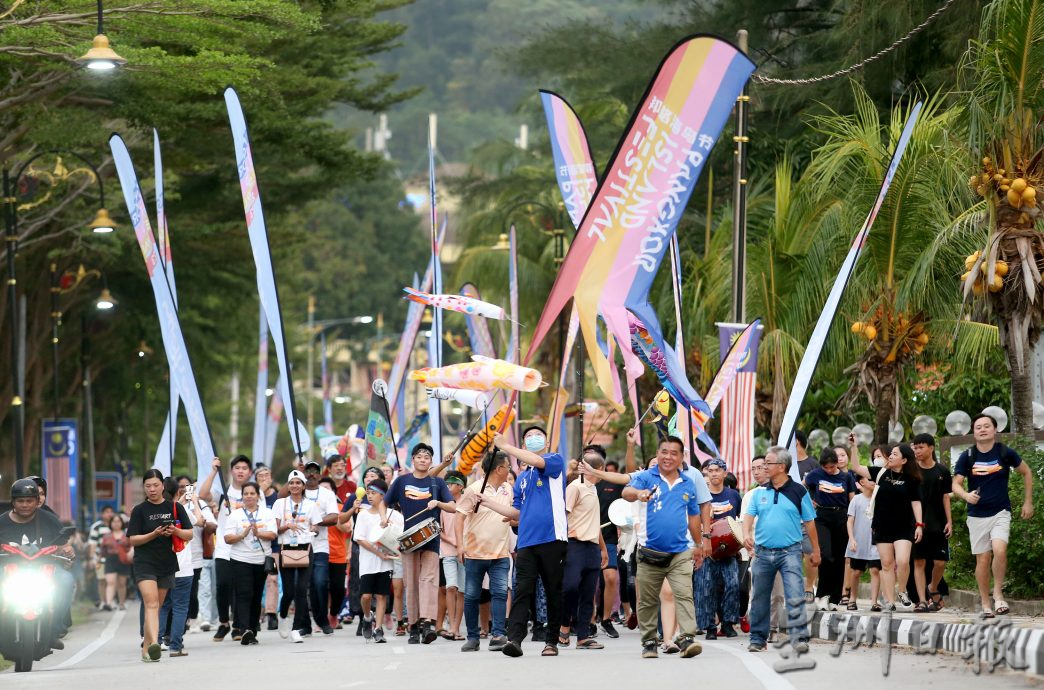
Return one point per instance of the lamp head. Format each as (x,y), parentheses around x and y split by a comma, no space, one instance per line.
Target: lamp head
(102,222)
(101,56)
(105,301)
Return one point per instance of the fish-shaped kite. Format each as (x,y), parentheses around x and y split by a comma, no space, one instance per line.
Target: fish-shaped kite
(477,445)
(465,305)
(680,389)
(476,400)
(481,374)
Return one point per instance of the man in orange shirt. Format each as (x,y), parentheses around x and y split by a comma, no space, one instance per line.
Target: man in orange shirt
(485,537)
(586,554)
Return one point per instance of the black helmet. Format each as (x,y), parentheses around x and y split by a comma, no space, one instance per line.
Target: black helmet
(25,488)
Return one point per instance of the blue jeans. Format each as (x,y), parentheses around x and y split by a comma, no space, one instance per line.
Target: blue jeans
(319,596)
(475,570)
(764,566)
(174,612)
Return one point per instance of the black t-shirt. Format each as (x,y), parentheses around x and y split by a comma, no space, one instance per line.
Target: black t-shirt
(607,493)
(805,466)
(893,507)
(156,557)
(411,495)
(936,482)
(42,530)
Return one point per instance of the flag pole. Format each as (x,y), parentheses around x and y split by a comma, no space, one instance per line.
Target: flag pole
(739,200)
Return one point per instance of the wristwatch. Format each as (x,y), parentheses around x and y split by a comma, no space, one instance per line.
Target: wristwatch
(706,535)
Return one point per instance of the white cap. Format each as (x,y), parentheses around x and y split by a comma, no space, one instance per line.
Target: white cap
(296,474)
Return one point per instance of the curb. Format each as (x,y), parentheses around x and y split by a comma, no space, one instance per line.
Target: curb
(998,642)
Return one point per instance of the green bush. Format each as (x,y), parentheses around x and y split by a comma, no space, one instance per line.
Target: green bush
(1025,579)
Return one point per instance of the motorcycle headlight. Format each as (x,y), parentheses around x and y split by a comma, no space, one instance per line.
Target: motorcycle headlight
(26,590)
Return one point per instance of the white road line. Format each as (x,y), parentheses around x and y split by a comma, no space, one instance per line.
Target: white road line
(103,639)
(765,674)
(392,666)
(355,684)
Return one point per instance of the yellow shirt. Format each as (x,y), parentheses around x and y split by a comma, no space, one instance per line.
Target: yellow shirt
(581,502)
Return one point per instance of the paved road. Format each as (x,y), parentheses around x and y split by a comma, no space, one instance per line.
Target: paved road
(103,655)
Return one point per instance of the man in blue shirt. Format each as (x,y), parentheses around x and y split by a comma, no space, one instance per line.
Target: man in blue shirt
(987,466)
(539,507)
(674,508)
(783,509)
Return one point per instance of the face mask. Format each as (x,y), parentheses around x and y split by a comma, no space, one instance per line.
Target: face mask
(535,443)
(878,462)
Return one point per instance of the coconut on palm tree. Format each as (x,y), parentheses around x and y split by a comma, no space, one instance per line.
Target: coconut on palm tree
(1001,75)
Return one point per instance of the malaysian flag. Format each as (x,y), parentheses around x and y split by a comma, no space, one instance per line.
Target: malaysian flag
(737,406)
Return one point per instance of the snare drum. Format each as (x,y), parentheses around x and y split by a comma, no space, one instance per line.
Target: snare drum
(726,538)
(418,536)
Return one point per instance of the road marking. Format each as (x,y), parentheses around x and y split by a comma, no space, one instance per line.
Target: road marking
(398,650)
(354,684)
(770,680)
(103,639)
(392,666)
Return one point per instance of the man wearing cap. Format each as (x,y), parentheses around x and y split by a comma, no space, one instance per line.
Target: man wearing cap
(717,580)
(326,502)
(420,498)
(539,507)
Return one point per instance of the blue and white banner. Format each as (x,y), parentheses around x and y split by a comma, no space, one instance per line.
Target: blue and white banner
(803,378)
(260,392)
(170,328)
(266,280)
(164,459)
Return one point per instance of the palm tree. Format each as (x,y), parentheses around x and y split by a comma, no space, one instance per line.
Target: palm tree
(900,300)
(1001,77)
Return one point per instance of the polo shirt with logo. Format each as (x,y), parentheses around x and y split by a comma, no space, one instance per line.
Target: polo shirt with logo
(779,514)
(540,500)
(664,518)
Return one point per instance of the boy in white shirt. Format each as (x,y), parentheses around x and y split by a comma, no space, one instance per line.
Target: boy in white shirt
(375,560)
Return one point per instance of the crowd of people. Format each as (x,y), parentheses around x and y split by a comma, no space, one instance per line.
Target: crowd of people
(534,544)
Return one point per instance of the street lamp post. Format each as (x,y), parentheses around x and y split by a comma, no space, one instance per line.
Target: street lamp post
(102,223)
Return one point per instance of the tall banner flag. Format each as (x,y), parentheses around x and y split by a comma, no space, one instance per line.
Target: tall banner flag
(435,341)
(60,446)
(624,234)
(261,390)
(409,331)
(478,329)
(266,279)
(803,378)
(574,167)
(164,458)
(737,403)
(170,328)
(327,403)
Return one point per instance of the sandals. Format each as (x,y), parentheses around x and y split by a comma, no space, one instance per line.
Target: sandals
(549,650)
(1001,607)
(563,640)
(876,608)
(920,608)
(853,605)
(987,613)
(845,597)
(589,644)
(445,634)
(933,603)
(670,648)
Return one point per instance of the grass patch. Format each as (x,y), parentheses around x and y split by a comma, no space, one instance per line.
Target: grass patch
(5,664)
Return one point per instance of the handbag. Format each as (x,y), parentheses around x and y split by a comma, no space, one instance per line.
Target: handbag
(270,565)
(657,559)
(123,552)
(296,558)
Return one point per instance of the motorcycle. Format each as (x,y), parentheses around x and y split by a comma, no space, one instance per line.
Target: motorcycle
(28,591)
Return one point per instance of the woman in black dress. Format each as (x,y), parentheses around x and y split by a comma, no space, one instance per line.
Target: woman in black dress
(897,521)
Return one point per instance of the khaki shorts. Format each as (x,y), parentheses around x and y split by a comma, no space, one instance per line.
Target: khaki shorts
(982,531)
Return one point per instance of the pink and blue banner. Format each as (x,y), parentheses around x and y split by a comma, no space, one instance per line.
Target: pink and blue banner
(170,328)
(623,236)
(266,280)
(574,167)
(809,360)
(164,458)
(478,329)
(261,389)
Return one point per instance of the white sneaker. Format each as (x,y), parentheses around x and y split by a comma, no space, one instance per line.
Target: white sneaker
(284,627)
(191,625)
(205,626)
(164,647)
(296,637)
(904,601)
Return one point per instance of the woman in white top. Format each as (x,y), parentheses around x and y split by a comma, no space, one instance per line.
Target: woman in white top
(296,517)
(249,531)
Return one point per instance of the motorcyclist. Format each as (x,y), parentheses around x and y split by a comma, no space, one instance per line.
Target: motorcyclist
(26,524)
